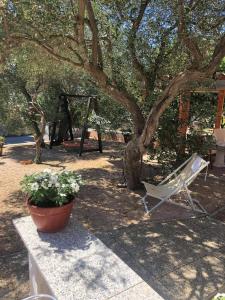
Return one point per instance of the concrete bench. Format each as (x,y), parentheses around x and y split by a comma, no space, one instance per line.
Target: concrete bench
(74,265)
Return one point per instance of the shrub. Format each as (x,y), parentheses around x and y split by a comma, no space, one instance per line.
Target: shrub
(2,140)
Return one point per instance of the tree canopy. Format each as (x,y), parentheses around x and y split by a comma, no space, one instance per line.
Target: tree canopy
(142,54)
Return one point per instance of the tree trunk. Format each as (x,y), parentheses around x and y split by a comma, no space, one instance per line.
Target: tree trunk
(39,141)
(38,149)
(132,164)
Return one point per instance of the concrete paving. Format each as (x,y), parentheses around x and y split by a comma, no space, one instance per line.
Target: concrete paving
(178,259)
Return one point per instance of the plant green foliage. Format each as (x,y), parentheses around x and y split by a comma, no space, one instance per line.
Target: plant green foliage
(52,24)
(115,114)
(219,296)
(96,121)
(50,189)
(222,65)
(2,139)
(199,137)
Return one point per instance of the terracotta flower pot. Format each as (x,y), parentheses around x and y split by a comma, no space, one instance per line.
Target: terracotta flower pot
(50,219)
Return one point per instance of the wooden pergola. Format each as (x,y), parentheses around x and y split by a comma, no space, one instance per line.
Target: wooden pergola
(184,104)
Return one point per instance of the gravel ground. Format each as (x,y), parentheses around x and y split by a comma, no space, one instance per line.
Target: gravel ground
(100,206)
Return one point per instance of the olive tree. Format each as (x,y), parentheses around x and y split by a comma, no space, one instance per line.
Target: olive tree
(137,52)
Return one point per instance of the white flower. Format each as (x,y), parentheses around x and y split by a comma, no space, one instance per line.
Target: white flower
(34,186)
(75,187)
(54,179)
(47,171)
(62,195)
(44,185)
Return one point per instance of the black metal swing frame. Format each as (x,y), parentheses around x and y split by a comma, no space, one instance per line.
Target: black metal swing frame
(92,105)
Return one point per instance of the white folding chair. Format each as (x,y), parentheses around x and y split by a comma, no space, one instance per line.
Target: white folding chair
(176,182)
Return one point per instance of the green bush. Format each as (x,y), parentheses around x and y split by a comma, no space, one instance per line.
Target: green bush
(2,140)
(171,148)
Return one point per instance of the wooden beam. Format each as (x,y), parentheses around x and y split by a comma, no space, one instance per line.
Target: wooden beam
(184,109)
(219,112)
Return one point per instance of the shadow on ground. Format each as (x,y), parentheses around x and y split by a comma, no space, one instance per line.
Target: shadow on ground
(179,259)
(13,256)
(58,153)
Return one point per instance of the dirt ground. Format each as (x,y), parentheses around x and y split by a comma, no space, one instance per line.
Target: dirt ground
(100,205)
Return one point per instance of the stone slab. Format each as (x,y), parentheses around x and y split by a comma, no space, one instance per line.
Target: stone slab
(75,264)
(141,291)
(197,281)
(163,247)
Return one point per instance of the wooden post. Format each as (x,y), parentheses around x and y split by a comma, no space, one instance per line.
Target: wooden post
(219,113)
(85,126)
(184,110)
(98,126)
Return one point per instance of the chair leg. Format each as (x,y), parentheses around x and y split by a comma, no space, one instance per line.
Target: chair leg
(157,205)
(202,208)
(191,201)
(145,204)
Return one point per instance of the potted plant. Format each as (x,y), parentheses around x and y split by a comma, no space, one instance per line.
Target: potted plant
(219,297)
(2,142)
(50,197)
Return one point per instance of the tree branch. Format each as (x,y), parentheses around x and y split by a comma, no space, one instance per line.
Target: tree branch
(132,37)
(190,43)
(48,49)
(121,96)
(96,48)
(81,38)
(218,55)
(155,67)
(178,85)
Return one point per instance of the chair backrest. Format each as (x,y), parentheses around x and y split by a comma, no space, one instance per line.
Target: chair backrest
(219,134)
(191,170)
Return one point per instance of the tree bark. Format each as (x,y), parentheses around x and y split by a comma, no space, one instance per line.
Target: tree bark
(132,163)
(38,141)
(38,150)
(120,96)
